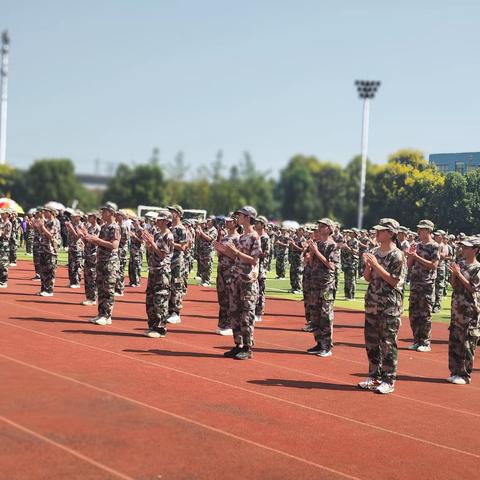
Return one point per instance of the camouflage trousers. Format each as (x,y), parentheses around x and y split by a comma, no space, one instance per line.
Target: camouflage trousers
(75,266)
(36,259)
(270,260)
(420,312)
(296,272)
(260,306)
(361,265)
(29,243)
(90,277)
(319,309)
(135,267)
(157,297)
(440,285)
(461,350)
(223,281)
(337,279)
(177,287)
(120,281)
(107,273)
(13,250)
(307,291)
(205,266)
(280,264)
(47,268)
(242,300)
(350,278)
(4,261)
(381,344)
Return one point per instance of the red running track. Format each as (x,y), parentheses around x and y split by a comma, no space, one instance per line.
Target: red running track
(80,401)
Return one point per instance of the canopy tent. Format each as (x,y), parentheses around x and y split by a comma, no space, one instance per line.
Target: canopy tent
(9,203)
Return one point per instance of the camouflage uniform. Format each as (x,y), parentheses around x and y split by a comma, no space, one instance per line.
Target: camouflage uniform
(159,281)
(188,257)
(383,307)
(243,290)
(205,254)
(47,255)
(422,283)
(90,267)
(296,266)
(5,235)
(13,239)
(338,238)
(307,289)
(319,302)
(177,284)
(262,273)
(272,236)
(108,265)
(36,252)
(281,252)
(224,274)
(441,280)
(122,259)
(350,266)
(29,236)
(363,247)
(465,323)
(136,258)
(75,256)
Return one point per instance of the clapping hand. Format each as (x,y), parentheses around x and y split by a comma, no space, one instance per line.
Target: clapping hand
(454,268)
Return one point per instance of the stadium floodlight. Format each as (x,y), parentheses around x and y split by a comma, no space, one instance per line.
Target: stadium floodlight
(366,91)
(3,95)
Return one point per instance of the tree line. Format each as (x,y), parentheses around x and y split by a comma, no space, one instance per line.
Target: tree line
(406,187)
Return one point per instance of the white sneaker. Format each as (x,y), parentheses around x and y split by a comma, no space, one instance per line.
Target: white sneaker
(459,381)
(451,378)
(13,264)
(258,318)
(198,278)
(324,353)
(75,286)
(385,388)
(104,321)
(3,285)
(45,294)
(174,318)
(116,294)
(369,383)
(424,348)
(224,331)
(413,346)
(36,279)
(152,334)
(205,284)
(94,319)
(87,303)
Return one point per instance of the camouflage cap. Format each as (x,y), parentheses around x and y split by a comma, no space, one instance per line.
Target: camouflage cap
(77,213)
(403,229)
(164,215)
(426,224)
(176,208)
(262,219)
(92,214)
(108,206)
(248,211)
(440,232)
(329,223)
(229,218)
(471,242)
(47,209)
(461,236)
(121,214)
(387,224)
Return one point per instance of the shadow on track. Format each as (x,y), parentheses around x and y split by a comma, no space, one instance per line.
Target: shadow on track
(105,332)
(47,320)
(278,382)
(171,353)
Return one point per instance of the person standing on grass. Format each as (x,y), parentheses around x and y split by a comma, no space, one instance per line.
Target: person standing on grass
(385,271)
(243,290)
(75,249)
(423,260)
(224,274)
(5,234)
(206,237)
(107,263)
(260,228)
(441,280)
(281,244)
(121,219)
(465,313)
(349,257)
(161,247)
(324,257)
(136,254)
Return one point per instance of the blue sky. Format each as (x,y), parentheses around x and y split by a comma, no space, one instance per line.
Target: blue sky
(112,79)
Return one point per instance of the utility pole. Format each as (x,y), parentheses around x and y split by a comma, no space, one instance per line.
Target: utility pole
(3,96)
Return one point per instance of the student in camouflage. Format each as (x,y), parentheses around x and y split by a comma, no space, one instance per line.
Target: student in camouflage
(243,289)
(13,238)
(49,240)
(29,234)
(206,238)
(36,244)
(136,254)
(385,271)
(441,280)
(177,286)
(188,253)
(224,274)
(338,238)
(297,245)
(120,218)
(75,249)
(325,256)
(260,228)
(465,313)
(5,235)
(423,260)
(349,257)
(160,247)
(307,282)
(281,245)
(90,251)
(107,264)
(272,236)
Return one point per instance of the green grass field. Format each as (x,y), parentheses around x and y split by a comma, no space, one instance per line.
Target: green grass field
(281,288)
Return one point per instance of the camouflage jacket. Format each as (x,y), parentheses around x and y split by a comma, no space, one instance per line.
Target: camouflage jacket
(205,247)
(165,244)
(109,232)
(381,298)
(47,245)
(136,245)
(74,243)
(284,239)
(263,261)
(420,274)
(179,233)
(91,248)
(226,263)
(322,277)
(248,243)
(297,254)
(466,305)
(5,232)
(123,244)
(350,259)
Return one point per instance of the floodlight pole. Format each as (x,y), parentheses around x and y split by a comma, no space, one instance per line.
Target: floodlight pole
(3,96)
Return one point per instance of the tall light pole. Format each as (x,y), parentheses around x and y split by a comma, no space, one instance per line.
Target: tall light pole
(4,96)
(366,90)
